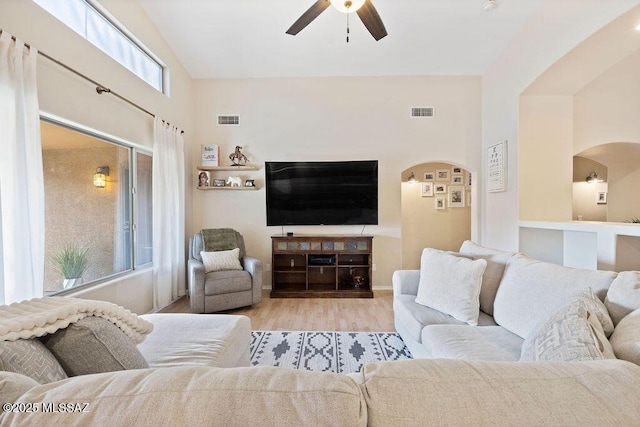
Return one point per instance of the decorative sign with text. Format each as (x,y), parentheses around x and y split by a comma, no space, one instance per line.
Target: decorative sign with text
(497,167)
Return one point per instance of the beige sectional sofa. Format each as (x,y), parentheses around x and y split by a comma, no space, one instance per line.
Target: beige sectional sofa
(517,295)
(197,373)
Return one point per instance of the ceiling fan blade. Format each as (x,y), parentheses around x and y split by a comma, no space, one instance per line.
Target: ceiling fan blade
(306,18)
(370,18)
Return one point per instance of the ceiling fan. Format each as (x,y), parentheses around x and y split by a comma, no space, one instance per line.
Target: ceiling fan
(364,8)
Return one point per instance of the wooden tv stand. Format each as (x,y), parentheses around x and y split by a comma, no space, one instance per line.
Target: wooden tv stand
(316,266)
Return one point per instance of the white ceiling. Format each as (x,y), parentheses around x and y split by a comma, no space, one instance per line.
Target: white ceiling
(246,38)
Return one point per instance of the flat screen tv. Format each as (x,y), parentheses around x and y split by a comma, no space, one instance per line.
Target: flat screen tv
(322,193)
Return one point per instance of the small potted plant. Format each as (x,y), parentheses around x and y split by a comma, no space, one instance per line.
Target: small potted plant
(72,261)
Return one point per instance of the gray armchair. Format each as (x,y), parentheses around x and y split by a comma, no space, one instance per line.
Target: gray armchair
(222,290)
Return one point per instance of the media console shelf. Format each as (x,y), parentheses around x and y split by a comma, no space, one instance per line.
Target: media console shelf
(316,266)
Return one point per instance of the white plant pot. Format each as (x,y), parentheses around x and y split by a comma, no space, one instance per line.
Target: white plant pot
(70,283)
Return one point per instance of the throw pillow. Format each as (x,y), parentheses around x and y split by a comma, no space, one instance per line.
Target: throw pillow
(451,284)
(31,358)
(93,345)
(496,262)
(221,260)
(625,339)
(597,307)
(623,296)
(568,336)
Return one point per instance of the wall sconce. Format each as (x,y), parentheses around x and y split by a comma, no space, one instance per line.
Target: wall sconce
(100,177)
(593,177)
(412,178)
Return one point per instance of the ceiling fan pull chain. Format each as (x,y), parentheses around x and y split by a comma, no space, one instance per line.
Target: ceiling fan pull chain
(347,28)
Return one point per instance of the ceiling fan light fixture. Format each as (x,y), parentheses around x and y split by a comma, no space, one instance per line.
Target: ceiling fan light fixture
(347,6)
(489,5)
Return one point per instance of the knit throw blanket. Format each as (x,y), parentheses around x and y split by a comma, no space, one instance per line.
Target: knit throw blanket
(41,316)
(219,239)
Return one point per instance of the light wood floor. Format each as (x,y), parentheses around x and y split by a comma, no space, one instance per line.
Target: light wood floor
(314,314)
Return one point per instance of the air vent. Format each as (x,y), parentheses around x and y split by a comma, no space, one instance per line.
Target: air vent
(423,112)
(228,120)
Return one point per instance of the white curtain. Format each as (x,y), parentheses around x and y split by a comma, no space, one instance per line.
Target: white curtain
(21,177)
(168,214)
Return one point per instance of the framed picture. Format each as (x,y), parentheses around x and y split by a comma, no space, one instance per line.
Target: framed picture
(427,189)
(218,182)
(442,175)
(440,189)
(456,170)
(456,196)
(469,180)
(203,179)
(457,179)
(497,167)
(429,176)
(602,198)
(439,203)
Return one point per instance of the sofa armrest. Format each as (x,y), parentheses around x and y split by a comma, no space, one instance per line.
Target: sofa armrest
(254,267)
(405,282)
(195,280)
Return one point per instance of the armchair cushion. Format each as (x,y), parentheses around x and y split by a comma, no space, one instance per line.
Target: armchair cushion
(227,281)
(221,260)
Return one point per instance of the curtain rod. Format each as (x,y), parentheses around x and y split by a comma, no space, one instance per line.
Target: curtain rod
(99,88)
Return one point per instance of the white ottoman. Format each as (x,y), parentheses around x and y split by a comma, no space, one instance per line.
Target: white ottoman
(217,340)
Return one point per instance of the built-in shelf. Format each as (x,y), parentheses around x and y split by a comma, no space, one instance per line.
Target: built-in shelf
(228,168)
(227,188)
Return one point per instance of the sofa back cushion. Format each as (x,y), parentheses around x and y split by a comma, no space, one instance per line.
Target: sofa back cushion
(200,396)
(625,339)
(451,284)
(623,296)
(531,291)
(496,262)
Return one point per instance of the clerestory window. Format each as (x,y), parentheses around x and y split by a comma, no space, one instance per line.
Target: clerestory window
(90,20)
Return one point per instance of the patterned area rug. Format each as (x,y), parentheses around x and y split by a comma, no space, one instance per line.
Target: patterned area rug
(340,352)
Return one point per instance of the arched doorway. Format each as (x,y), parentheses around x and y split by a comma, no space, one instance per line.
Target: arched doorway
(436,209)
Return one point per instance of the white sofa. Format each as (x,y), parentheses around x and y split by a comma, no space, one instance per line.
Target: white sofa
(517,295)
(185,385)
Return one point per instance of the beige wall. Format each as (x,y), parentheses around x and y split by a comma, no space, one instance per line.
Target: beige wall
(545,137)
(333,119)
(65,95)
(423,225)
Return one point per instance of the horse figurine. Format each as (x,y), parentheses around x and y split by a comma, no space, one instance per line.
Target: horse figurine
(237,158)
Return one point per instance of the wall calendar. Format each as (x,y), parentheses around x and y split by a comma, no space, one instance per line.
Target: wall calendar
(497,167)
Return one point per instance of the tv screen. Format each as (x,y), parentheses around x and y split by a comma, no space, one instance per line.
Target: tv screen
(322,193)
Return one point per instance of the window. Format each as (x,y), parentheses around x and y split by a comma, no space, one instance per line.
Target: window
(107,35)
(109,217)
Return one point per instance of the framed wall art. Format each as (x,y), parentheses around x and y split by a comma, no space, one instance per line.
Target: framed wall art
(440,189)
(442,175)
(497,167)
(439,203)
(456,196)
(427,189)
(429,176)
